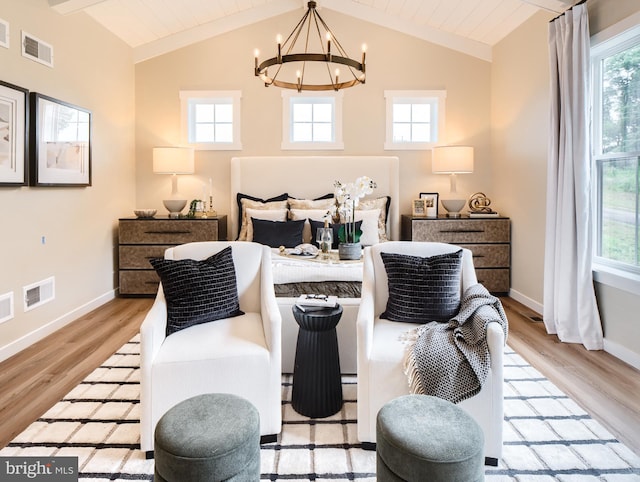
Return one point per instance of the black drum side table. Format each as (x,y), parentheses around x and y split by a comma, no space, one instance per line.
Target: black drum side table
(317,386)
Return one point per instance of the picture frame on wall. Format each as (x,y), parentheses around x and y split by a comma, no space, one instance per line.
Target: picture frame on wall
(419,208)
(60,143)
(431,202)
(14,132)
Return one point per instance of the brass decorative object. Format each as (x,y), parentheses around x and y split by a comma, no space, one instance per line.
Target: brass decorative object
(479,203)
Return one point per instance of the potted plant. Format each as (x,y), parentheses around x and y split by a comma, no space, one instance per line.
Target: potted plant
(347,197)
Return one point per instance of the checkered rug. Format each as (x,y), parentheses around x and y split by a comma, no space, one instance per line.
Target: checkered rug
(547,435)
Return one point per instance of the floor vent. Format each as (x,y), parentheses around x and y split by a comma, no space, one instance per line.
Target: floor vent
(39,293)
(535,318)
(37,50)
(4,33)
(6,306)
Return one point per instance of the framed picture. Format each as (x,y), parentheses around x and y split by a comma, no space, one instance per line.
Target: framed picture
(419,208)
(431,200)
(59,143)
(14,115)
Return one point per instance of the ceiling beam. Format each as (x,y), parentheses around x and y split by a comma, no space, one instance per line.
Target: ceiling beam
(439,37)
(213,29)
(66,7)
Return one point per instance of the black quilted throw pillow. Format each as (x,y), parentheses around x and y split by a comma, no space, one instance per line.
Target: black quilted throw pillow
(198,291)
(422,289)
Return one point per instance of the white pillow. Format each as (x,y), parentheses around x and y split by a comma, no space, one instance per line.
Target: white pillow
(268,214)
(369,218)
(315,214)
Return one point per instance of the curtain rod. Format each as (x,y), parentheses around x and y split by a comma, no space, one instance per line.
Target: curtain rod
(574,5)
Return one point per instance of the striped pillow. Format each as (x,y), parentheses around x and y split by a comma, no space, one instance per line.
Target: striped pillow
(422,289)
(198,291)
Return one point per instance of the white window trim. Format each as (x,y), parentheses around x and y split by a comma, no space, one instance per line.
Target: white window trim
(391,95)
(287,144)
(188,95)
(606,271)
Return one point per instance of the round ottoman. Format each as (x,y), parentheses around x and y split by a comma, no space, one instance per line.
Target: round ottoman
(422,438)
(211,437)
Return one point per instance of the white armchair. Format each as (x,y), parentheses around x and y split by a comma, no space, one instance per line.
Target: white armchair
(381,353)
(239,355)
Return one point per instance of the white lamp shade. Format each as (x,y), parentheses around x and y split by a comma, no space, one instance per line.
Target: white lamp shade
(173,160)
(452,159)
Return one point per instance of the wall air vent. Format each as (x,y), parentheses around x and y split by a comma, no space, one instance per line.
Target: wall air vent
(6,306)
(36,50)
(39,293)
(4,33)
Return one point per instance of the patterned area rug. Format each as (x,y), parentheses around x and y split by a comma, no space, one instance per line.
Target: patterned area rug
(547,435)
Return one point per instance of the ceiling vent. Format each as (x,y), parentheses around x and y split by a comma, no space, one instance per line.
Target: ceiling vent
(4,33)
(6,306)
(38,293)
(36,50)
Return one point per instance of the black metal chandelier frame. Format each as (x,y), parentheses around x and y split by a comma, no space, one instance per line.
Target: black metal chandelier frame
(309,19)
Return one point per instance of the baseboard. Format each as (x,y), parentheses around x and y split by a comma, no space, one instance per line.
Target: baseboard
(526,301)
(623,353)
(29,339)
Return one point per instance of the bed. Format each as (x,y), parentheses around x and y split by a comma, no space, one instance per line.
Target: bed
(309,178)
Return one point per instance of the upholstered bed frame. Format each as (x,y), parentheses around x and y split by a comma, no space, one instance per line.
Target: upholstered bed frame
(310,177)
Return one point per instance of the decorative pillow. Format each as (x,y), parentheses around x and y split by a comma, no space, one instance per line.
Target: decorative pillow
(370,232)
(248,203)
(324,202)
(269,214)
(198,291)
(277,233)
(382,203)
(315,225)
(239,197)
(422,289)
(308,235)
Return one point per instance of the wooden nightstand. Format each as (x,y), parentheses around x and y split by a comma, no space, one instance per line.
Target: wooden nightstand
(142,239)
(489,239)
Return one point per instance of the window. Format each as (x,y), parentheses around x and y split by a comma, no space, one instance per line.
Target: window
(211,119)
(616,151)
(311,121)
(415,119)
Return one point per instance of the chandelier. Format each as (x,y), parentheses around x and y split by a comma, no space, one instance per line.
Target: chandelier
(306,76)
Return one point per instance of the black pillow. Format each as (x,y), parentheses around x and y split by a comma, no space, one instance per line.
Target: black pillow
(198,291)
(423,289)
(277,233)
(335,227)
(239,197)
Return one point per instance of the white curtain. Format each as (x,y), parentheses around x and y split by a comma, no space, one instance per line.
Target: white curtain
(570,309)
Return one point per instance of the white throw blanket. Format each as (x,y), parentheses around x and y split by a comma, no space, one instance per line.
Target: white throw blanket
(451,360)
(292,269)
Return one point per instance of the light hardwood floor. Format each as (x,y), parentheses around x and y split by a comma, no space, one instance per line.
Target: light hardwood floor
(35,379)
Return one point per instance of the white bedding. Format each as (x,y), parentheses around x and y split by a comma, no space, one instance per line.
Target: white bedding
(289,269)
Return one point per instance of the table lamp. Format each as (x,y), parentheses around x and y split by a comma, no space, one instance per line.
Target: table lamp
(174,161)
(452,160)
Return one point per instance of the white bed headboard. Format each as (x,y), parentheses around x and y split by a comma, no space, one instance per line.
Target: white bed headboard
(313,176)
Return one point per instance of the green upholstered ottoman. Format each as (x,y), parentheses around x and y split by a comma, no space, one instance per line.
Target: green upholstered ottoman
(212,437)
(423,438)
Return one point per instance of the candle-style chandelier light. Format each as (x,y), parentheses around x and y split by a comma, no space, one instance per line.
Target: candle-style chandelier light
(306,77)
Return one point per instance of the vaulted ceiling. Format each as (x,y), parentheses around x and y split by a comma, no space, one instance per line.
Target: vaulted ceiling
(154,27)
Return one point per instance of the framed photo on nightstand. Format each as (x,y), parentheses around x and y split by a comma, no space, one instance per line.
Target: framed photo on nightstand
(419,208)
(431,203)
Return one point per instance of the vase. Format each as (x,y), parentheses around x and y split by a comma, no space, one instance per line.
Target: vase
(349,251)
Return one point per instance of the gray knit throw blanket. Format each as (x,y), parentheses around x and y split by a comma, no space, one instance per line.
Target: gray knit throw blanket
(451,360)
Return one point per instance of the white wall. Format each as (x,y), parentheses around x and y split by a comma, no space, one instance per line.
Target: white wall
(394,61)
(94,70)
